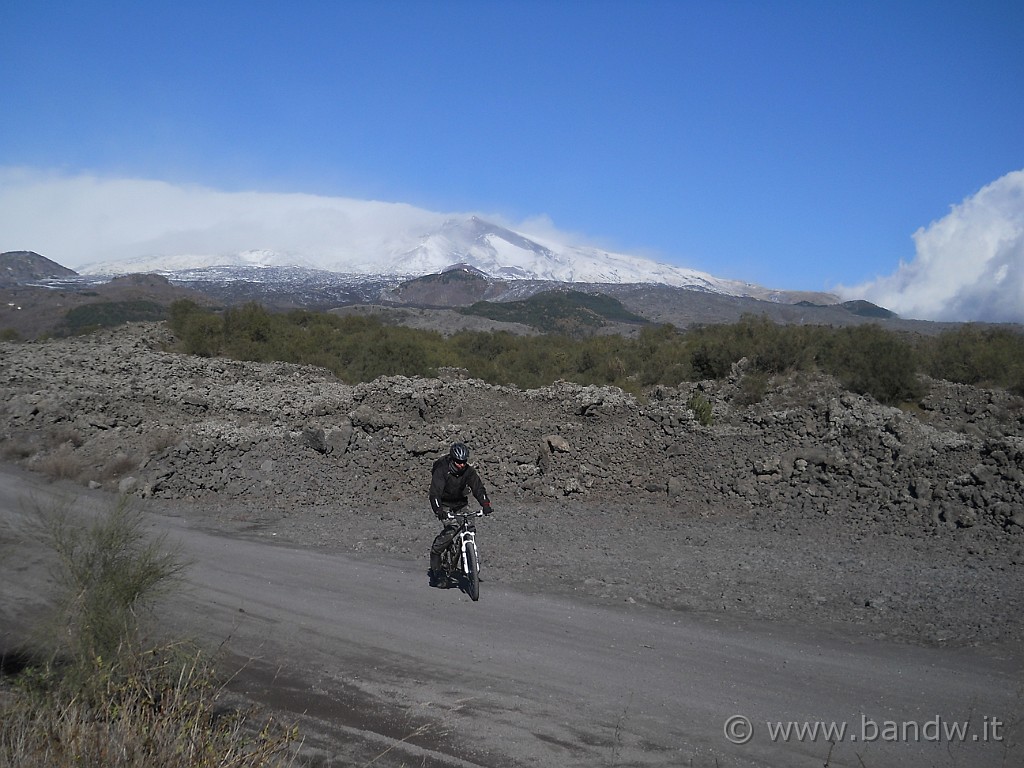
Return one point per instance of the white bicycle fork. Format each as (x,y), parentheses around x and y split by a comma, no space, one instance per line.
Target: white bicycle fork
(467,540)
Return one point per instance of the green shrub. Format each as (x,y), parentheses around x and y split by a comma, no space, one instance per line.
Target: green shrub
(975,354)
(701,407)
(199,331)
(752,388)
(104,314)
(769,348)
(872,361)
(107,573)
(713,353)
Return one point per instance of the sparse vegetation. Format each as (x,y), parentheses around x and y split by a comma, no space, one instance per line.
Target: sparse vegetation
(867,359)
(871,361)
(701,407)
(157,708)
(979,355)
(119,465)
(108,573)
(61,464)
(162,438)
(96,692)
(64,434)
(103,314)
(752,388)
(17,449)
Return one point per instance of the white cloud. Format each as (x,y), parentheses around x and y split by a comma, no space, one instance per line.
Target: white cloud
(85,220)
(969,265)
(80,220)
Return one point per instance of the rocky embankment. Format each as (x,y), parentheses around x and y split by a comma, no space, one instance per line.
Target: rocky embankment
(812,505)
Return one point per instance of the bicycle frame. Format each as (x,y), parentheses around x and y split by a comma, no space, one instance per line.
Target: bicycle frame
(461,558)
(465,537)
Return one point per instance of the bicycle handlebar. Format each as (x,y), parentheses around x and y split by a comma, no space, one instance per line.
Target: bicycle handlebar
(452,515)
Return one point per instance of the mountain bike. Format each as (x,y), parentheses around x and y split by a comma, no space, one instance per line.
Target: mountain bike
(460,559)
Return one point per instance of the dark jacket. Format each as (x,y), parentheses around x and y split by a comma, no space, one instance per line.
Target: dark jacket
(450,489)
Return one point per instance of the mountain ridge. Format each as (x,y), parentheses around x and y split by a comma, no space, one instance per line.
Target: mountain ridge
(18,267)
(494,250)
(38,305)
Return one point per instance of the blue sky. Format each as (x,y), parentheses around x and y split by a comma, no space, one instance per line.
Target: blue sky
(791,144)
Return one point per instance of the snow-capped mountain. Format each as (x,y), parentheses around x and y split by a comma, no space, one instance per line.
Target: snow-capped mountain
(502,253)
(496,251)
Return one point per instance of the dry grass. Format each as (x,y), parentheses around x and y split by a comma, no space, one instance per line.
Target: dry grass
(146,709)
(15,450)
(62,464)
(119,465)
(161,439)
(96,692)
(64,434)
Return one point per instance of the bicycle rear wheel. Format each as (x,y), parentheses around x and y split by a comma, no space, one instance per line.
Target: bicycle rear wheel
(473,577)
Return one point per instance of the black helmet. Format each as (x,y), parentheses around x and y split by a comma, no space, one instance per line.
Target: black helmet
(459,454)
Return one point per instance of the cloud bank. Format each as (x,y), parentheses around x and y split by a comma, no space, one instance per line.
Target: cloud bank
(969,265)
(82,220)
(86,221)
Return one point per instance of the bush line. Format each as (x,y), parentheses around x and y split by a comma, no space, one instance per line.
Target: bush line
(866,359)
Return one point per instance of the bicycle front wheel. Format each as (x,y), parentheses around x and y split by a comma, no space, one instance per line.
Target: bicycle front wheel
(473,577)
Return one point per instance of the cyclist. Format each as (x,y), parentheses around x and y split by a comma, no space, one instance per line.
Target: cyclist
(450,477)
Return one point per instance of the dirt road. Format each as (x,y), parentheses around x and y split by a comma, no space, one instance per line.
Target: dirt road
(378,667)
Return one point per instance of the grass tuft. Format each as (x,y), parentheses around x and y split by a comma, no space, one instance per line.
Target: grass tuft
(62,464)
(96,692)
(119,465)
(15,450)
(159,440)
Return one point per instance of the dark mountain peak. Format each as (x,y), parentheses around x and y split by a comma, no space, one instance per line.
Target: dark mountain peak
(456,286)
(867,309)
(147,280)
(18,267)
(466,269)
(858,307)
(562,311)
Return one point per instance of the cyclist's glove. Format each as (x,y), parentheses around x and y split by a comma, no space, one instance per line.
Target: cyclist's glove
(487,508)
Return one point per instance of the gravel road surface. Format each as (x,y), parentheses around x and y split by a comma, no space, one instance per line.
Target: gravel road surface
(377,667)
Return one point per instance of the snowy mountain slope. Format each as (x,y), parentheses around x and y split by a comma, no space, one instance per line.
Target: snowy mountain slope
(502,253)
(176,262)
(496,251)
